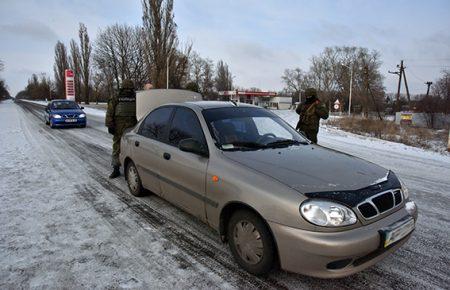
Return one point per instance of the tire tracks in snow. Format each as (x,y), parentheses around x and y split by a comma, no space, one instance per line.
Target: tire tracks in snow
(200,245)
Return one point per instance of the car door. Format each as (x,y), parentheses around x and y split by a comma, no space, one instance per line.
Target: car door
(183,174)
(147,150)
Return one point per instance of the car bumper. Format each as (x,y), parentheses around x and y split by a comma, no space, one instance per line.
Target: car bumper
(63,123)
(335,254)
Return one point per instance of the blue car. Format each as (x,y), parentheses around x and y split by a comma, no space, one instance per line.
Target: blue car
(64,113)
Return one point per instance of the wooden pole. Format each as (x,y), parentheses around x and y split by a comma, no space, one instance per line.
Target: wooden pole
(448,144)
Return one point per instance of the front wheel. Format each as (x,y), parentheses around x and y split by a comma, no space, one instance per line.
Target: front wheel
(133,180)
(251,242)
(52,125)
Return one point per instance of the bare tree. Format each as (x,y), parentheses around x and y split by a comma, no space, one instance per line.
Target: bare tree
(119,54)
(441,89)
(296,81)
(224,78)
(85,58)
(75,66)
(160,38)
(207,83)
(59,68)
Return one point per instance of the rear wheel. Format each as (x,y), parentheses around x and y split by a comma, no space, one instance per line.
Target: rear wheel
(133,180)
(251,242)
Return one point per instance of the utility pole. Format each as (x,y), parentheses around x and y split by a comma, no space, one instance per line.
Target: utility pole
(167,72)
(401,74)
(428,87)
(351,85)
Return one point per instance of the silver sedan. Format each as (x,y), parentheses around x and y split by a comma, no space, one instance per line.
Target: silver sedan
(277,199)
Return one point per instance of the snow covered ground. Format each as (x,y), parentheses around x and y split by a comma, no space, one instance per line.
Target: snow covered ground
(64,224)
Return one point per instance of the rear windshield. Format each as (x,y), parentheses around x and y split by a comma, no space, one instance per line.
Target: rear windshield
(64,105)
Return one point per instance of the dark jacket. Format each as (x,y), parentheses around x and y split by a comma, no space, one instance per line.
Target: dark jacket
(121,107)
(311,111)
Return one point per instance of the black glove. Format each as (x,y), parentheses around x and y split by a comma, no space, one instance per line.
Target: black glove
(111,130)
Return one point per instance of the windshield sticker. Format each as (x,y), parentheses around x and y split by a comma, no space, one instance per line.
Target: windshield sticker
(227,146)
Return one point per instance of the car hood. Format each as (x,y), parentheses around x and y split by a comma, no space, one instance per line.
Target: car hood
(68,111)
(312,168)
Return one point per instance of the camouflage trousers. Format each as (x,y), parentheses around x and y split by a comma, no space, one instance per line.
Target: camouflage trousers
(121,124)
(311,135)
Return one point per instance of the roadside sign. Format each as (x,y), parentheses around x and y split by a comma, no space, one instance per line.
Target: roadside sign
(70,85)
(406,118)
(337,105)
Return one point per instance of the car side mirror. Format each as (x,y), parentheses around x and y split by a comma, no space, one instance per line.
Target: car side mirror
(82,108)
(193,146)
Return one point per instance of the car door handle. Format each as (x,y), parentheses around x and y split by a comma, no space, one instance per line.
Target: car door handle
(136,143)
(166,156)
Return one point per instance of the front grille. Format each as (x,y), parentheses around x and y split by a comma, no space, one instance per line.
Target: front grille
(71,116)
(380,203)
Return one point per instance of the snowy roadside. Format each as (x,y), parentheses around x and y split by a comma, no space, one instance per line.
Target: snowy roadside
(88,110)
(331,133)
(60,226)
(63,224)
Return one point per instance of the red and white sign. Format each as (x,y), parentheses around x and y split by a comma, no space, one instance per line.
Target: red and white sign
(70,85)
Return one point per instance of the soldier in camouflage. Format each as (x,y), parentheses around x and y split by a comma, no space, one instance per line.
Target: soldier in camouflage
(121,115)
(311,111)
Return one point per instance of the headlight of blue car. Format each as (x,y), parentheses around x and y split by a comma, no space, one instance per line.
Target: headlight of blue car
(56,116)
(82,116)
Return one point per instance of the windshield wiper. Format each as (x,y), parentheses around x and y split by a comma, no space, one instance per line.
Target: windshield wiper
(243,146)
(285,142)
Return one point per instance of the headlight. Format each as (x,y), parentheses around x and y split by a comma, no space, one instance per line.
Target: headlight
(405,191)
(56,116)
(82,116)
(327,213)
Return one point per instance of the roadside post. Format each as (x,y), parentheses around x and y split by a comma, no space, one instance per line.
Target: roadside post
(448,144)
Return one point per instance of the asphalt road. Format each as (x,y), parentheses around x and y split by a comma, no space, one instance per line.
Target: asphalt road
(422,263)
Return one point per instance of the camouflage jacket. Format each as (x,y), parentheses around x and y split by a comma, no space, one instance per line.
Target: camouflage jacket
(121,106)
(310,115)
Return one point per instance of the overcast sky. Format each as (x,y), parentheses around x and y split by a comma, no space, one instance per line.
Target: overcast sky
(258,38)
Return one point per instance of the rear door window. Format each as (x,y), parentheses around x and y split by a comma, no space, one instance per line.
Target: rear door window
(156,124)
(185,125)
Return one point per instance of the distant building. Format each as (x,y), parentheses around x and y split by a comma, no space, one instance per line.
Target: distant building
(268,100)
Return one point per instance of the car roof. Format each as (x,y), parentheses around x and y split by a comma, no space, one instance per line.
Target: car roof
(215,104)
(61,100)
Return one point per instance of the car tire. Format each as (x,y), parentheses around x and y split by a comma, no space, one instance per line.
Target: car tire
(251,242)
(51,124)
(134,180)
(46,121)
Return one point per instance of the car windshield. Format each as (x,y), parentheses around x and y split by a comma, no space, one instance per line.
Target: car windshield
(248,128)
(64,105)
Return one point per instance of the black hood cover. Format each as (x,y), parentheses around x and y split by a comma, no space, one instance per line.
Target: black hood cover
(354,197)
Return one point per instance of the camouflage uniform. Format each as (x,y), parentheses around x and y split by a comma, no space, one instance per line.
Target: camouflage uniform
(311,111)
(121,115)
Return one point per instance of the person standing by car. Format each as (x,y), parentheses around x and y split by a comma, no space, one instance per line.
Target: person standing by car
(120,115)
(311,111)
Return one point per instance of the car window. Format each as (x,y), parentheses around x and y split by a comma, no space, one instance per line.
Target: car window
(185,124)
(267,126)
(156,124)
(64,105)
(244,126)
